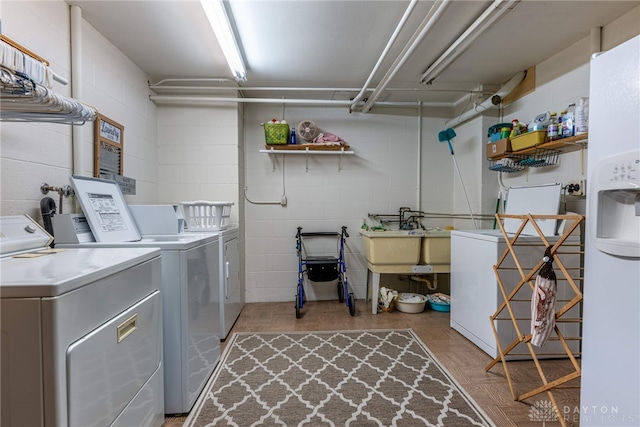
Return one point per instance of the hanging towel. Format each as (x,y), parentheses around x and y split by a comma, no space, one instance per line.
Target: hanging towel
(543,302)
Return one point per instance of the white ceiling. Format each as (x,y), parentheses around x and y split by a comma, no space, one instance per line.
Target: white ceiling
(336,43)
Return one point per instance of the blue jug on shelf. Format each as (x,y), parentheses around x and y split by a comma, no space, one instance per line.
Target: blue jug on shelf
(292,138)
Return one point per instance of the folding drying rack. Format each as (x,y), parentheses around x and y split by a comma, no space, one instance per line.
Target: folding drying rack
(560,247)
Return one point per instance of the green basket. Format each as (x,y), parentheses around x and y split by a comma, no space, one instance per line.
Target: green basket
(276,133)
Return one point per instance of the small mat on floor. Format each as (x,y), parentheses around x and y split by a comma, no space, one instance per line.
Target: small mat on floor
(339,378)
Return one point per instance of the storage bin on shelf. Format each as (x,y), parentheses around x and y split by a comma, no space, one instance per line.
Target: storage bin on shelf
(498,148)
(499,131)
(528,140)
(202,215)
(276,133)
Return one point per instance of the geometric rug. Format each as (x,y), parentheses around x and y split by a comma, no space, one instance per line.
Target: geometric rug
(337,378)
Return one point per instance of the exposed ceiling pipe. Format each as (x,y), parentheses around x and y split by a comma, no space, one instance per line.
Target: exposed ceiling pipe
(435,12)
(462,43)
(77,143)
(191,80)
(492,102)
(390,43)
(595,40)
(298,89)
(206,100)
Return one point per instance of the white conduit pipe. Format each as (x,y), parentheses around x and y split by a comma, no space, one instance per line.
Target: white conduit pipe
(427,23)
(204,100)
(419,156)
(390,43)
(185,89)
(460,45)
(76,86)
(492,102)
(595,39)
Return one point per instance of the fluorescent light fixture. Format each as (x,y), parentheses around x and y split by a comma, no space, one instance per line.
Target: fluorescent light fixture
(481,25)
(219,22)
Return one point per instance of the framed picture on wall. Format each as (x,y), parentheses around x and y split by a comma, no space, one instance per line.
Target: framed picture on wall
(108,147)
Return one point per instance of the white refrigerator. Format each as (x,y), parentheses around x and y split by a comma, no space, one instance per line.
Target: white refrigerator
(610,383)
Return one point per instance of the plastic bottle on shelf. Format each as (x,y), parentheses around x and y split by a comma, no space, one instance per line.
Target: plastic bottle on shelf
(515,128)
(582,116)
(292,137)
(552,128)
(567,127)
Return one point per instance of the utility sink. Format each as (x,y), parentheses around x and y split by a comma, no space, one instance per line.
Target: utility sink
(436,247)
(395,247)
(402,247)
(402,252)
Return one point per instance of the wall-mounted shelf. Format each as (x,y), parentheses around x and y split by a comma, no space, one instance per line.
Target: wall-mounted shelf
(307,151)
(545,154)
(564,145)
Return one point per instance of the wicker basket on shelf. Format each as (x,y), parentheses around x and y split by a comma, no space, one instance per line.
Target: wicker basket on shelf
(276,133)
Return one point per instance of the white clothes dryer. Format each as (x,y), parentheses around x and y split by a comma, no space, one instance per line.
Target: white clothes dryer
(189,286)
(81,332)
(191,304)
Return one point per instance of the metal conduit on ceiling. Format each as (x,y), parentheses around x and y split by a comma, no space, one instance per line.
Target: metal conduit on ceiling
(383,55)
(482,24)
(425,26)
(491,14)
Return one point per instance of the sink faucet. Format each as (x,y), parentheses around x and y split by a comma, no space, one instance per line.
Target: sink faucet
(403,223)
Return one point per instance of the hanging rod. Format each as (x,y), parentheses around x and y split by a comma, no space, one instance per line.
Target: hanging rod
(12,44)
(22,100)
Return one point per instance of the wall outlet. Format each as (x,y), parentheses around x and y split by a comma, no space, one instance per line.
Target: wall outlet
(577,187)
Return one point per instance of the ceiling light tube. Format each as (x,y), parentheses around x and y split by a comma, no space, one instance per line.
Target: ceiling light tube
(219,21)
(479,26)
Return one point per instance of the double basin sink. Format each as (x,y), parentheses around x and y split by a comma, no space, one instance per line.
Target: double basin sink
(400,249)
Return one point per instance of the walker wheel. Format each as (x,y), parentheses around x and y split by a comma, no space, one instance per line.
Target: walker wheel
(298,315)
(340,292)
(352,305)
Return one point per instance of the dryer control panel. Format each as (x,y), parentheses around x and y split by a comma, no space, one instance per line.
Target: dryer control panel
(21,233)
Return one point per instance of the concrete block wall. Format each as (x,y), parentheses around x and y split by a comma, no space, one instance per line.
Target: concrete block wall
(34,153)
(379,178)
(198,154)
(178,153)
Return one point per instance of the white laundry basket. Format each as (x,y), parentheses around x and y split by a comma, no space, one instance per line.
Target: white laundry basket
(202,215)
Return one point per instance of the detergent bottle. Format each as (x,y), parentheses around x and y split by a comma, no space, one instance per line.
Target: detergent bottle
(582,116)
(552,128)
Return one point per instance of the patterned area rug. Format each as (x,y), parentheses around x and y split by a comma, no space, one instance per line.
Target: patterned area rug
(343,378)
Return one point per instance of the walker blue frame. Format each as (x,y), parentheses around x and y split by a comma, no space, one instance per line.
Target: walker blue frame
(343,281)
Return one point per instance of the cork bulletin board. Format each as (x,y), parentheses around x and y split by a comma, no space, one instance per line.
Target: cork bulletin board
(108,147)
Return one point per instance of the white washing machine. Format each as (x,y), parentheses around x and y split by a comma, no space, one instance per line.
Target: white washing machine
(169,219)
(189,285)
(81,332)
(232,293)
(475,293)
